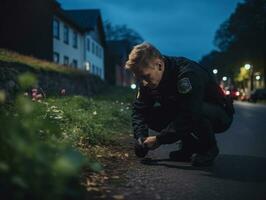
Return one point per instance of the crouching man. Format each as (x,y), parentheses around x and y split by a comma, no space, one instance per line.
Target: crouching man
(180,99)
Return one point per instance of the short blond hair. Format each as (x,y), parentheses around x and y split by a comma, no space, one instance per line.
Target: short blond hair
(141,55)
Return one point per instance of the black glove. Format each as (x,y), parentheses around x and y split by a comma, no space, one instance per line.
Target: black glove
(141,150)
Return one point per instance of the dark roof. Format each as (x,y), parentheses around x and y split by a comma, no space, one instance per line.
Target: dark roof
(84,20)
(87,19)
(65,16)
(62,14)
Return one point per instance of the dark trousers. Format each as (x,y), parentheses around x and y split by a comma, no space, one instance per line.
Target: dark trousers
(214,119)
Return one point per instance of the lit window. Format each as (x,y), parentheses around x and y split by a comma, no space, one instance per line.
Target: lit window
(56,57)
(87,66)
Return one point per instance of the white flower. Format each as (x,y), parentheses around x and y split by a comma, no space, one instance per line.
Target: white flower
(94,113)
(58,117)
(121,109)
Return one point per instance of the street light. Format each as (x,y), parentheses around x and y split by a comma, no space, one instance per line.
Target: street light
(247,66)
(224,78)
(251,74)
(258,77)
(215,71)
(133,86)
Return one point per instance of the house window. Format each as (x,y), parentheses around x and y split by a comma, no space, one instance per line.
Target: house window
(56,57)
(88,66)
(88,44)
(75,39)
(93,68)
(56,29)
(66,34)
(96,50)
(100,72)
(75,63)
(66,60)
(100,52)
(93,47)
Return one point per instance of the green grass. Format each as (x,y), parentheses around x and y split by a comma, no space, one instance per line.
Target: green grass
(57,137)
(92,121)
(37,64)
(82,121)
(42,144)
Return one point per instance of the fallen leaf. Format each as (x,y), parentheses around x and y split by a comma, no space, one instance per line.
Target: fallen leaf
(118,197)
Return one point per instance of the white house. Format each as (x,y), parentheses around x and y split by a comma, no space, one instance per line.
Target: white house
(68,44)
(79,40)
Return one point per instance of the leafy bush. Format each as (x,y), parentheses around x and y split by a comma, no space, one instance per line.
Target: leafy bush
(37,158)
(34,163)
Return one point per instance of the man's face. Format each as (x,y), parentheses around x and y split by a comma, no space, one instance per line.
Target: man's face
(150,76)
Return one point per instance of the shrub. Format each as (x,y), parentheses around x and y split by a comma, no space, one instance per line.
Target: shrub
(34,162)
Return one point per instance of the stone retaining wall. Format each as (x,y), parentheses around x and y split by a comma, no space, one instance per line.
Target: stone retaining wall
(49,81)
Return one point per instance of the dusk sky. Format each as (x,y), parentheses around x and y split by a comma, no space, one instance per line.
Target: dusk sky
(175,27)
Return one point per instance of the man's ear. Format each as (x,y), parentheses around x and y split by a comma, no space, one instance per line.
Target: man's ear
(159,66)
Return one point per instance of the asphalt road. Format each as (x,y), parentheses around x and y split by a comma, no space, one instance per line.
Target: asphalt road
(238,173)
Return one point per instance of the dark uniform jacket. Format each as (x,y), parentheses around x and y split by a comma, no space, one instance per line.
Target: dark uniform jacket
(184,86)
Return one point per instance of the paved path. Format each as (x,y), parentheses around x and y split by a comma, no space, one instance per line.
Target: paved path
(239,172)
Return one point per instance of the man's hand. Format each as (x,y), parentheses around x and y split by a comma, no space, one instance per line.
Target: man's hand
(151,142)
(141,150)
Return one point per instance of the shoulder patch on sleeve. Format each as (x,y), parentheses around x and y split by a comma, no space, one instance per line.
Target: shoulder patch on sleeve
(184,86)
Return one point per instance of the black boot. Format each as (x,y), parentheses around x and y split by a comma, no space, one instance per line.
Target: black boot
(208,149)
(205,158)
(189,146)
(180,155)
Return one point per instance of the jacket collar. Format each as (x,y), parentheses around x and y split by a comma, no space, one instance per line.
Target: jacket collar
(167,71)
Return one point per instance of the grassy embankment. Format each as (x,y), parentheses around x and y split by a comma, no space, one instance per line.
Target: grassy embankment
(94,120)
(53,138)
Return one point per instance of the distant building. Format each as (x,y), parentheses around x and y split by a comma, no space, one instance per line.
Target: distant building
(41,28)
(117,54)
(79,39)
